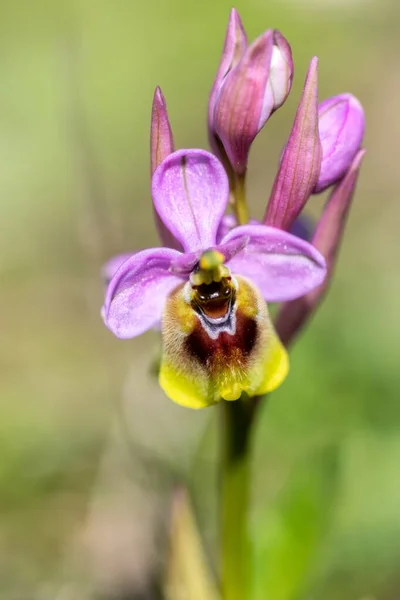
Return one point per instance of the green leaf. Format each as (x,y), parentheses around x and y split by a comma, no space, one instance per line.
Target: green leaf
(293,529)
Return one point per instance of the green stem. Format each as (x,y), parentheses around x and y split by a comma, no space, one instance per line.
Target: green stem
(235,492)
(240,205)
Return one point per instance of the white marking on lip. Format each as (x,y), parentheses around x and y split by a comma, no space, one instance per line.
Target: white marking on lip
(219,325)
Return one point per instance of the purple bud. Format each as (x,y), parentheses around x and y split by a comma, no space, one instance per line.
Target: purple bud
(161,145)
(254,82)
(301,159)
(161,140)
(341,130)
(327,239)
(234,47)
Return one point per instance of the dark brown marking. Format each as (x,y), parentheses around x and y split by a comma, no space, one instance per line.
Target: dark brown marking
(226,347)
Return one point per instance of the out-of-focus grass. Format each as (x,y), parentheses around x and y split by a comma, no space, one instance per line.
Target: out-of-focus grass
(62,373)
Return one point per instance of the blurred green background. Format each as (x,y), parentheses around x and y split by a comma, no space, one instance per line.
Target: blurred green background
(89,447)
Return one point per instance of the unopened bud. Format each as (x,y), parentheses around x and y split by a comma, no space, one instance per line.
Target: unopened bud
(341,130)
(256,83)
(301,159)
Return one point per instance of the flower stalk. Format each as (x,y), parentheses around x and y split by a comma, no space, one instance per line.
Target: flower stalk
(240,207)
(236,432)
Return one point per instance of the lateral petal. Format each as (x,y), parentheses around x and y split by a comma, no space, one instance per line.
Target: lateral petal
(281,265)
(138,291)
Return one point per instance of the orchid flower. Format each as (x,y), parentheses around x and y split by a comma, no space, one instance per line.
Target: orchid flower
(208,288)
(218,339)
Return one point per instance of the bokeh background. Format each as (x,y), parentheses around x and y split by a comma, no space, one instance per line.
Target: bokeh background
(90,449)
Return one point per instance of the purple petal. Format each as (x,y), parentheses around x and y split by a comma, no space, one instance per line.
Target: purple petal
(301,160)
(327,238)
(190,192)
(281,265)
(136,295)
(111,267)
(341,130)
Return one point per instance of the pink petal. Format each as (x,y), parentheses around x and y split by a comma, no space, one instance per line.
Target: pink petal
(281,265)
(137,293)
(190,193)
